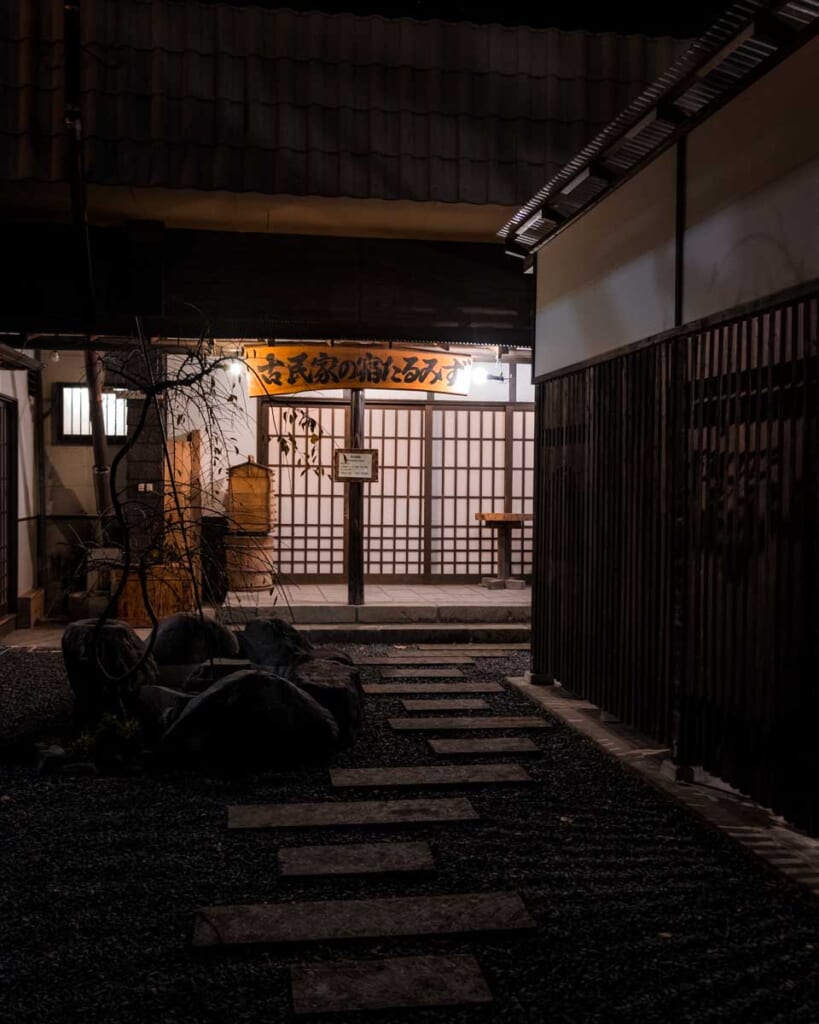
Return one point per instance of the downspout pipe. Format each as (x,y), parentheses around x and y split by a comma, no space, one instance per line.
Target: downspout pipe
(94,368)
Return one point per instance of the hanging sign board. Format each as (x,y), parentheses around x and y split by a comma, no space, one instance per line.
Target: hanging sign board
(286,369)
(355,464)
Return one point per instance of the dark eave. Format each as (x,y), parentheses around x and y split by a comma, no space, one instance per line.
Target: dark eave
(11,359)
(743,44)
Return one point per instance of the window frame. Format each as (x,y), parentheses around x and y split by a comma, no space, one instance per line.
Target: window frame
(58,406)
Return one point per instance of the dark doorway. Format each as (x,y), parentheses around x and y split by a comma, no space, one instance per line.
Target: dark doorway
(8,505)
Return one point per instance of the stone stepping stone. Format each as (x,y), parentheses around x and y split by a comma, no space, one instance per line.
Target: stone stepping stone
(464,722)
(474,648)
(342,814)
(466,704)
(324,920)
(355,859)
(383,984)
(430,775)
(399,688)
(485,745)
(417,659)
(426,673)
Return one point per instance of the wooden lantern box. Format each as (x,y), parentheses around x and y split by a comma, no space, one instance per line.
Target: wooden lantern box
(251,506)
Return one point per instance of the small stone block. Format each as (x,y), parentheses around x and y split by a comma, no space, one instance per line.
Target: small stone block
(464,722)
(355,859)
(485,745)
(472,649)
(466,704)
(384,984)
(515,584)
(424,658)
(422,672)
(405,688)
(322,920)
(493,584)
(430,775)
(358,812)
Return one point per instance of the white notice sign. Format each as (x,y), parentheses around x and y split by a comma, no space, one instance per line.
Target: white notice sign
(355,464)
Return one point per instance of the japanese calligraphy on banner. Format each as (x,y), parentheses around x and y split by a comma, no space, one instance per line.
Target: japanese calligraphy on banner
(285,369)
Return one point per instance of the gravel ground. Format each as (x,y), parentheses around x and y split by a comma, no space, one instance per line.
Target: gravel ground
(644,914)
(34,692)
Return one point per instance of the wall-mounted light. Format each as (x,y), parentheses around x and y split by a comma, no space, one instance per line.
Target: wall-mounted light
(235,367)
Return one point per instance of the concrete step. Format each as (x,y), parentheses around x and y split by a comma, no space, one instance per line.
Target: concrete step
(450,633)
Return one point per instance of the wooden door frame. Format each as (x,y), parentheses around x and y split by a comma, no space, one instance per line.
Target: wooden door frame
(428,406)
(13,509)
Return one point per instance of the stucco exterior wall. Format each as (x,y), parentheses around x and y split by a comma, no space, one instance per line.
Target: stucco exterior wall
(751,230)
(609,277)
(14,385)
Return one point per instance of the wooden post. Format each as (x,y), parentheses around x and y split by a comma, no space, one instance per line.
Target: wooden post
(355,507)
(94,370)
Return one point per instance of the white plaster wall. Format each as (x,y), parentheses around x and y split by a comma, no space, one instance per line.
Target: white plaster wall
(608,279)
(69,467)
(753,191)
(14,385)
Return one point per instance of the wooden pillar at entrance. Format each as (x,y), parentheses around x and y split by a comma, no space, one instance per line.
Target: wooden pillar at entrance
(355,507)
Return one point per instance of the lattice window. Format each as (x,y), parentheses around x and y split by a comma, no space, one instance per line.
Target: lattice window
(467,476)
(310,530)
(74,417)
(522,485)
(394,505)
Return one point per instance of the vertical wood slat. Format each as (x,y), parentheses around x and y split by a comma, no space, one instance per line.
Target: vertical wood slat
(677,497)
(676,558)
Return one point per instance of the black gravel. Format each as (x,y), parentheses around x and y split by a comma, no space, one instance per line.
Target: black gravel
(644,914)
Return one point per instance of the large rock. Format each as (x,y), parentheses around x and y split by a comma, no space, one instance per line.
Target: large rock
(274,644)
(250,721)
(157,708)
(188,639)
(106,668)
(337,687)
(327,653)
(200,677)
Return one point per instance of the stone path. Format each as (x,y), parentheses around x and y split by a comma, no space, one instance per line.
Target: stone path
(484,745)
(433,775)
(359,812)
(380,984)
(456,723)
(398,981)
(429,673)
(402,688)
(444,650)
(416,659)
(455,704)
(355,859)
(323,920)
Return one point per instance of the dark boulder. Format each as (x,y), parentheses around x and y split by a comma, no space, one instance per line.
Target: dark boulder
(157,708)
(328,653)
(106,668)
(188,639)
(250,721)
(337,687)
(275,644)
(200,677)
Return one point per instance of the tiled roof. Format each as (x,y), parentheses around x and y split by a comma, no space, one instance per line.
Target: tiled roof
(187,95)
